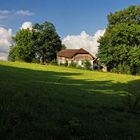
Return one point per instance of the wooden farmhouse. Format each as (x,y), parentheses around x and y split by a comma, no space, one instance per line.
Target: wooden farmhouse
(78,56)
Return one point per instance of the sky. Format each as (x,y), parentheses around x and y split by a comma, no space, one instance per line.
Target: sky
(75,20)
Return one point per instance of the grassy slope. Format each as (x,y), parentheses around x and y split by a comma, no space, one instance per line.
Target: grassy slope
(39,102)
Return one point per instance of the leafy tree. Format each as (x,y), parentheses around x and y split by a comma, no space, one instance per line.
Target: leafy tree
(24,46)
(119,48)
(130,15)
(47,42)
(39,44)
(12,54)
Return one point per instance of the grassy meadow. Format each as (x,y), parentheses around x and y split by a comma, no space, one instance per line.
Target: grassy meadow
(44,102)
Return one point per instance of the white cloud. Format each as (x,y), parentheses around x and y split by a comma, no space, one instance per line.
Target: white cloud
(3,56)
(5,42)
(27,25)
(4,14)
(24,13)
(84,40)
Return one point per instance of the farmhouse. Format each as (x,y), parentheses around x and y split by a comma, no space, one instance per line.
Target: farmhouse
(78,56)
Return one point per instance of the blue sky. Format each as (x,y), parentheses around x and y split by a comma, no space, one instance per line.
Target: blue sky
(69,16)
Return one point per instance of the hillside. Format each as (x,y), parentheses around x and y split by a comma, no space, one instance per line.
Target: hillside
(39,102)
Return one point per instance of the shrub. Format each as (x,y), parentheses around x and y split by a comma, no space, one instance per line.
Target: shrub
(73,64)
(34,60)
(87,65)
(53,62)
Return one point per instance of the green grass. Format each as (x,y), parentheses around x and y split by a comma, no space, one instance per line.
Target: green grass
(40,102)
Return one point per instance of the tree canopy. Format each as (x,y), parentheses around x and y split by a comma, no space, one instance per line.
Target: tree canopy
(119,48)
(39,44)
(47,41)
(23,49)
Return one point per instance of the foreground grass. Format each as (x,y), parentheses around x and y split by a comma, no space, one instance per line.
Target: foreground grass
(49,102)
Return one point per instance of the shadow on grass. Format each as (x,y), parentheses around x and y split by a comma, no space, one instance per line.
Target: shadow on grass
(50,105)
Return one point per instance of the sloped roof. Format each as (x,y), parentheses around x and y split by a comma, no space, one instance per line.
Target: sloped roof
(69,53)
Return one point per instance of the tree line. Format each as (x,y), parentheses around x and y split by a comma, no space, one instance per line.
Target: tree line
(119,48)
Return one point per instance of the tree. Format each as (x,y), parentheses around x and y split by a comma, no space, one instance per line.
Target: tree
(130,15)
(39,44)
(23,50)
(12,54)
(119,48)
(47,42)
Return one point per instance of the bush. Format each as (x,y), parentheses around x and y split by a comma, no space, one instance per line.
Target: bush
(87,65)
(35,60)
(53,62)
(73,64)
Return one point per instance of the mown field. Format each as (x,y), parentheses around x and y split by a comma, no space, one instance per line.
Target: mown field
(40,102)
